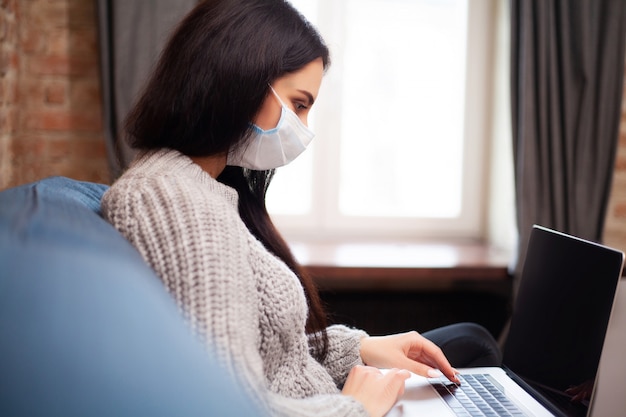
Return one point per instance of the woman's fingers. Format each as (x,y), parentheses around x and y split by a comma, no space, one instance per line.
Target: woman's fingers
(427,359)
(395,380)
(409,351)
(378,392)
(429,371)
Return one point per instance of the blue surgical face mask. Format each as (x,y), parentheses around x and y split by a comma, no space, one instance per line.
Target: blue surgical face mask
(273,148)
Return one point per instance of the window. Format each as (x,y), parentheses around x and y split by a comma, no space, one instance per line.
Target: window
(400,122)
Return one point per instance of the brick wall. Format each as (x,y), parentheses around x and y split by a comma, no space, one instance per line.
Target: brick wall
(58,128)
(8,85)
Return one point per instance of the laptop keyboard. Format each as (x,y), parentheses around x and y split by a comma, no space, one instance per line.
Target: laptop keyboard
(478,395)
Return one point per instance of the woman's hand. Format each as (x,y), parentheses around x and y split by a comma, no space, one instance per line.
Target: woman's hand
(410,351)
(378,392)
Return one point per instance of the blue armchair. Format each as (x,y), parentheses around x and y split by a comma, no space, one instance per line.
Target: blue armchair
(86,327)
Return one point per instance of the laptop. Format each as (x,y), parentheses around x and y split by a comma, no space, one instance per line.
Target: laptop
(608,397)
(555,340)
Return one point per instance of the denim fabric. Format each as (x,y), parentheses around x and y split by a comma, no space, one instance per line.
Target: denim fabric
(86,327)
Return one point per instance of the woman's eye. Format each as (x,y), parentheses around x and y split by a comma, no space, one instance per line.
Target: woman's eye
(300,106)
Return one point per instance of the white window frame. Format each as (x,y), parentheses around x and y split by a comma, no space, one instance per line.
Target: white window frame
(325,222)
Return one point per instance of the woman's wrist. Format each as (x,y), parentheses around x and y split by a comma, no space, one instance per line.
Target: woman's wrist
(363,346)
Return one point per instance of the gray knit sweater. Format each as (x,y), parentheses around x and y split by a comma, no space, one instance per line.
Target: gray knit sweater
(245,304)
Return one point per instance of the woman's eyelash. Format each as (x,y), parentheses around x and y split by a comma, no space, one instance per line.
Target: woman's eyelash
(300,106)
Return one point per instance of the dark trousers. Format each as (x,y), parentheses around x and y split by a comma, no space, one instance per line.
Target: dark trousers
(466,345)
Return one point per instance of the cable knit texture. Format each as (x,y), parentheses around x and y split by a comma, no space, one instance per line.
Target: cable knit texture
(245,304)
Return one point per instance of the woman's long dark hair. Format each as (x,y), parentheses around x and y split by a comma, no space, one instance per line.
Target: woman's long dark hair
(252,186)
(209,84)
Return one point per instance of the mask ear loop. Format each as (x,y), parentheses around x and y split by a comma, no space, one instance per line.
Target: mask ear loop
(277,96)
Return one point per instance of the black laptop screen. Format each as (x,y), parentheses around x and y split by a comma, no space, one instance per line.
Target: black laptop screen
(561,311)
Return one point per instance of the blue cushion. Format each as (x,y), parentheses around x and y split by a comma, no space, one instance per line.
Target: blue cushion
(86,328)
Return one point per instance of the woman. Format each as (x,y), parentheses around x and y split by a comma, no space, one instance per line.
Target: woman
(226,104)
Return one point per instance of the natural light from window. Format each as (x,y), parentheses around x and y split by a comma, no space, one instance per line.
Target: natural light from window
(402,119)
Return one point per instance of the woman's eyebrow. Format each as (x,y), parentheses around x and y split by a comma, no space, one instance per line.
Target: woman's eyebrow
(309,96)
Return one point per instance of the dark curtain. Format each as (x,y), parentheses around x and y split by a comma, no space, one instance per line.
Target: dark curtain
(131,36)
(567,72)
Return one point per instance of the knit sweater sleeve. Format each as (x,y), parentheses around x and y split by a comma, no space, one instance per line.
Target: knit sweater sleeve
(194,244)
(343,351)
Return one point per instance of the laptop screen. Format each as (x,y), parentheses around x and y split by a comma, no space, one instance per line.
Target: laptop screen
(560,315)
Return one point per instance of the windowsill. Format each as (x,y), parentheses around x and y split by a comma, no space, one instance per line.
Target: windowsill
(398,266)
